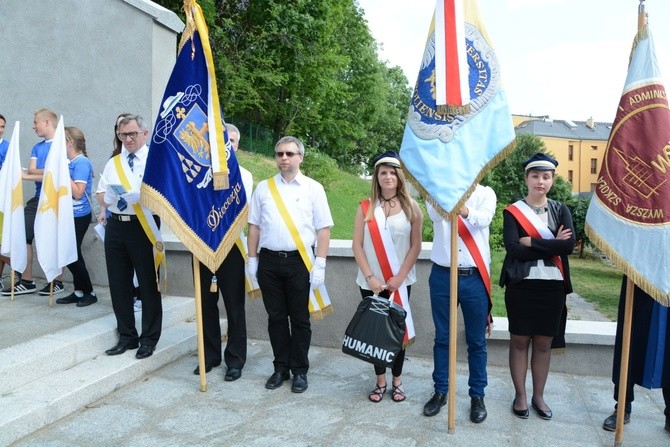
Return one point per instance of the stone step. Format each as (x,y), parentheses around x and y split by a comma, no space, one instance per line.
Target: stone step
(88,377)
(25,362)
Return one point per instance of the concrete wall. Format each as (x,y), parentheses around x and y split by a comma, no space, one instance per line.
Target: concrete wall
(88,61)
(590,344)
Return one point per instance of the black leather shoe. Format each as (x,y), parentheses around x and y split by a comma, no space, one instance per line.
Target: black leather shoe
(70,299)
(610,422)
(667,422)
(276,380)
(435,403)
(477,409)
(120,348)
(232,374)
(542,413)
(145,351)
(523,414)
(208,367)
(299,384)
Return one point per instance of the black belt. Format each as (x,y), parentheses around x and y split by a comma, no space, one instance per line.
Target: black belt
(463,271)
(123,217)
(281,254)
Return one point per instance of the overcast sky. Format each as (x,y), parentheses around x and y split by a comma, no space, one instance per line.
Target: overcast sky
(563,58)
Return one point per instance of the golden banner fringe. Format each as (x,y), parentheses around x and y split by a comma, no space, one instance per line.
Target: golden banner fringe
(642,34)
(321,313)
(190,27)
(254,294)
(155,201)
(220,181)
(447,109)
(627,269)
(500,156)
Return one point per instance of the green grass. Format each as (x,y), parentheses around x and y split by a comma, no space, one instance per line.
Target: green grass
(344,191)
(598,282)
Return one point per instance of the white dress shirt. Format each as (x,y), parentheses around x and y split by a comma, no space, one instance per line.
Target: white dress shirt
(307,205)
(482,207)
(111,177)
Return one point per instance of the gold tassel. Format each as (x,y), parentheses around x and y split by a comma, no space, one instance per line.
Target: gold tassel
(452,111)
(212,286)
(220,181)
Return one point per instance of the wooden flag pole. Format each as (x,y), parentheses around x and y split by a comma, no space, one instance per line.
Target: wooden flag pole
(628,316)
(198,325)
(12,284)
(51,294)
(623,368)
(453,320)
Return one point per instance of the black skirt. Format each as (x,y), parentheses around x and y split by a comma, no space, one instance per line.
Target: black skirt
(534,307)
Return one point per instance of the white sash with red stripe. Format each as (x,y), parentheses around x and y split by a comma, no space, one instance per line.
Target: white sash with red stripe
(390,264)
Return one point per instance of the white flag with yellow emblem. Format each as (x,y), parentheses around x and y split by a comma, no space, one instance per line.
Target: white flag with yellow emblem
(11,206)
(55,239)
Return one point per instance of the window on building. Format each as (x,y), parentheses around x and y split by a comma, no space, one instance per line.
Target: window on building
(594,148)
(593,187)
(594,166)
(570,175)
(571,152)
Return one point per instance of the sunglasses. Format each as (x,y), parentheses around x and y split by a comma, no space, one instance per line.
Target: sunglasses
(288,154)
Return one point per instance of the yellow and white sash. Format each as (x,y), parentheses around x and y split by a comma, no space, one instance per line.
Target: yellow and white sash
(319,301)
(129,182)
(250,283)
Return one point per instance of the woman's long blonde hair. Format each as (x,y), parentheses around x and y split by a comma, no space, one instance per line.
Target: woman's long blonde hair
(402,194)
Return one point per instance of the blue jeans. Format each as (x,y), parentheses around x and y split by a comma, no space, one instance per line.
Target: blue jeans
(474,302)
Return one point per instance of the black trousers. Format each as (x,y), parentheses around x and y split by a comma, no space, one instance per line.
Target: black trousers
(284,283)
(230,282)
(81,280)
(128,249)
(630,397)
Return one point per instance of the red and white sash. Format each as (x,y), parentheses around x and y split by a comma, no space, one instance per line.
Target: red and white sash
(484,269)
(533,226)
(389,263)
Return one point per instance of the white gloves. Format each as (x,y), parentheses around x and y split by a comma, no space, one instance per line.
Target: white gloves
(318,274)
(252,265)
(131,197)
(110,198)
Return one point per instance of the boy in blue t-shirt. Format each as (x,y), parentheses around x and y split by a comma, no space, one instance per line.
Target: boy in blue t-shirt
(44,125)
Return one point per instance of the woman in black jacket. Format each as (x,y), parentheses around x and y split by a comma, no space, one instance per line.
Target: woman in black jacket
(538,235)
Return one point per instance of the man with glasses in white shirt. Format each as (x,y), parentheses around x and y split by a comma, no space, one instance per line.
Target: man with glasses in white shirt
(127,246)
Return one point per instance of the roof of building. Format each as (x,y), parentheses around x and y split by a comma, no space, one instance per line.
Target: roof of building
(566,129)
(162,15)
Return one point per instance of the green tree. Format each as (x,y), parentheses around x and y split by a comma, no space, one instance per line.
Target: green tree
(578,208)
(508,181)
(308,68)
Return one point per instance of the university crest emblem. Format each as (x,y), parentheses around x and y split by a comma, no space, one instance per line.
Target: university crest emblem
(484,79)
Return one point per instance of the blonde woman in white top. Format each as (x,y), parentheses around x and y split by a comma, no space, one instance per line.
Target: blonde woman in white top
(403,218)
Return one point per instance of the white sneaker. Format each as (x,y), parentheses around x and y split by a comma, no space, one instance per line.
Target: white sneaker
(137,305)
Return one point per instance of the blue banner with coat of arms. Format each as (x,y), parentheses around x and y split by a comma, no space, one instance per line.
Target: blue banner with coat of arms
(178,183)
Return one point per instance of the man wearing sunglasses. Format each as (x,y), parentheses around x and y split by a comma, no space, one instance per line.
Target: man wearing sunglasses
(288,215)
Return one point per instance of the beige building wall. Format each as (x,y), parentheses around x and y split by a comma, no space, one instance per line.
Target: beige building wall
(579,161)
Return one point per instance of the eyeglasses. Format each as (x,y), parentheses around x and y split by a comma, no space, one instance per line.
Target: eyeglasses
(288,154)
(123,135)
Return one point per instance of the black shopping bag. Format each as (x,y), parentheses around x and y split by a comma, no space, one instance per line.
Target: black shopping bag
(376,331)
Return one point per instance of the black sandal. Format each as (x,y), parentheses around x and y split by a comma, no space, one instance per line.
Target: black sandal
(377,392)
(397,394)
